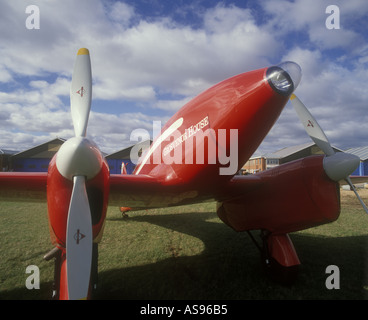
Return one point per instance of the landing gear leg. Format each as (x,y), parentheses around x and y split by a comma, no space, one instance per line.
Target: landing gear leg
(94,271)
(55,254)
(60,272)
(278,257)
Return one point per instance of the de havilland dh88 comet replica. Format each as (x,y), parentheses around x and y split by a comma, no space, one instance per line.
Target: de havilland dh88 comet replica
(195,158)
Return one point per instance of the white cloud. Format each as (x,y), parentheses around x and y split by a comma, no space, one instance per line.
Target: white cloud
(5,76)
(310,17)
(171,105)
(145,54)
(120,12)
(160,64)
(335,94)
(221,19)
(132,59)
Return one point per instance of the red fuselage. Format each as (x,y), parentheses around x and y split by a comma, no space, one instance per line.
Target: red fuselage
(233,116)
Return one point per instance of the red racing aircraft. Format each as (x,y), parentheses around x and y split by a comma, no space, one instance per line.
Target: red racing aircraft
(195,158)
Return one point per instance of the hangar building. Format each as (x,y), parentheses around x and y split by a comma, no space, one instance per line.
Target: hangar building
(116,159)
(36,159)
(5,159)
(362,153)
(270,160)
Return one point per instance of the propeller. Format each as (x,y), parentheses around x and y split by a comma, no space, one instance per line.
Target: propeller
(79,241)
(81,92)
(78,160)
(337,165)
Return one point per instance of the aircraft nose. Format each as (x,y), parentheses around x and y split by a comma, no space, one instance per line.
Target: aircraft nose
(285,77)
(293,70)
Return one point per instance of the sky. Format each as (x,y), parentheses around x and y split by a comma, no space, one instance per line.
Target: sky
(149,58)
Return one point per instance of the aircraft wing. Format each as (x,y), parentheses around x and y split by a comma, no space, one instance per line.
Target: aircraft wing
(135,191)
(143,191)
(23,186)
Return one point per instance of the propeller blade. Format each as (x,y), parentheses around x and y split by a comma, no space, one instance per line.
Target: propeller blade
(79,241)
(81,92)
(357,195)
(311,126)
(338,166)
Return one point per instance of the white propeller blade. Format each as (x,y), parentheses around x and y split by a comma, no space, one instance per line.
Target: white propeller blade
(311,126)
(72,162)
(79,242)
(338,166)
(81,92)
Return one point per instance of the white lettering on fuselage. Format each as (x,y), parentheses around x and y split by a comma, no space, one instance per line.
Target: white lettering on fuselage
(193,140)
(189,132)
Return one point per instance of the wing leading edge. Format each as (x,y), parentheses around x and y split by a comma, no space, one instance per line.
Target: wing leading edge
(136,191)
(144,191)
(23,186)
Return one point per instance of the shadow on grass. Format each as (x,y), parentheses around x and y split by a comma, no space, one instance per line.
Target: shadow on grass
(230,268)
(44,293)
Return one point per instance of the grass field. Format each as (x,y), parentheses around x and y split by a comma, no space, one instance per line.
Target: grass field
(188,253)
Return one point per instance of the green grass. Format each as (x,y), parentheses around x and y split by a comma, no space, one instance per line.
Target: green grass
(187,253)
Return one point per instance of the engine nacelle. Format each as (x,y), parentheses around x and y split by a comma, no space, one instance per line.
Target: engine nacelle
(294,196)
(59,190)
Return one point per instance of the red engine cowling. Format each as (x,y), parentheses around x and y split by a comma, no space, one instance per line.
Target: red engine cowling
(59,191)
(294,196)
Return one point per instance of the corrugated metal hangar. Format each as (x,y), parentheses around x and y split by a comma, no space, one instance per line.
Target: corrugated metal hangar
(274,159)
(293,153)
(4,159)
(116,159)
(362,153)
(37,159)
